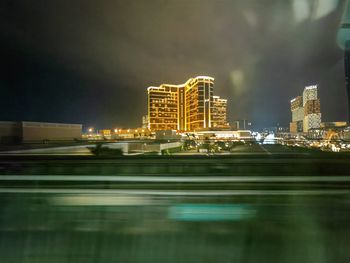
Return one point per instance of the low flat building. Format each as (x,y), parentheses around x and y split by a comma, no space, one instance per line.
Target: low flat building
(24,131)
(10,132)
(334,124)
(167,135)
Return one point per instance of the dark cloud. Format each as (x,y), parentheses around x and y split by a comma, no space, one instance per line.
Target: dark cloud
(91,61)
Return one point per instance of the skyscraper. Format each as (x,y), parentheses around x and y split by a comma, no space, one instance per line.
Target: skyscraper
(219,114)
(306,111)
(184,107)
(198,103)
(163,110)
(312,110)
(297,109)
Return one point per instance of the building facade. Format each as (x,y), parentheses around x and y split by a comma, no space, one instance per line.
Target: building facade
(297,109)
(144,122)
(312,109)
(198,103)
(163,112)
(18,132)
(219,113)
(185,107)
(306,111)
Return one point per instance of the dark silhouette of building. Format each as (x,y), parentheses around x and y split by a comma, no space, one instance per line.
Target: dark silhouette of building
(347,71)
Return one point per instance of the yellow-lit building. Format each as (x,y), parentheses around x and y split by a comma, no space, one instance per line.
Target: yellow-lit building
(163,107)
(219,113)
(184,107)
(198,103)
(131,133)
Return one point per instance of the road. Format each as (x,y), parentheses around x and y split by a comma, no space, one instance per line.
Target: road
(273,206)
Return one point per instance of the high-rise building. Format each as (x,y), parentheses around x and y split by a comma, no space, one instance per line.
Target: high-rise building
(163,112)
(185,107)
(306,111)
(219,113)
(198,103)
(312,111)
(297,109)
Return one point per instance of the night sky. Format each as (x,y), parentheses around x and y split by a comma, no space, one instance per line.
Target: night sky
(91,61)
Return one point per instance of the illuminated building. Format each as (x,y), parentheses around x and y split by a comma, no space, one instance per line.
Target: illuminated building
(145,122)
(163,107)
(312,110)
(306,111)
(334,124)
(198,103)
(241,124)
(106,133)
(219,114)
(297,109)
(185,107)
(131,133)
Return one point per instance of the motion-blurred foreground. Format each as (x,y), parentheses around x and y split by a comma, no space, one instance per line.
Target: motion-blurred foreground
(247,208)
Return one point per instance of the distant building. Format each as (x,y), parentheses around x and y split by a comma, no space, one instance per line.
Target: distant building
(306,111)
(145,122)
(131,133)
(312,110)
(167,135)
(106,133)
(184,107)
(241,125)
(10,132)
(334,124)
(17,132)
(163,110)
(297,109)
(219,113)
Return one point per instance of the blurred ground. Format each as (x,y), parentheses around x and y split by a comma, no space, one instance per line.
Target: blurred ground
(266,205)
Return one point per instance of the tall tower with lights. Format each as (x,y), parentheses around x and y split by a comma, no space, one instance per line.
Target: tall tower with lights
(312,109)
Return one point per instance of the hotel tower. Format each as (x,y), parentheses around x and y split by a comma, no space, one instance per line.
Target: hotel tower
(186,107)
